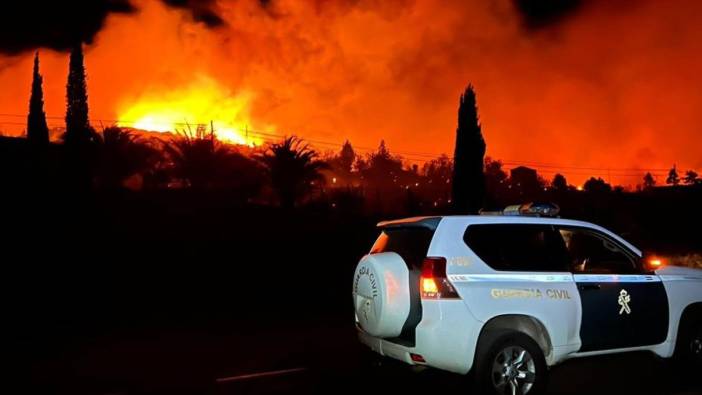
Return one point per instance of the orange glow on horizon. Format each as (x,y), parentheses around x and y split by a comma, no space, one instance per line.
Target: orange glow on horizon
(202,103)
(589,96)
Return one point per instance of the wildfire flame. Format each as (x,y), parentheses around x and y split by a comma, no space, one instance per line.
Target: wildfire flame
(204,102)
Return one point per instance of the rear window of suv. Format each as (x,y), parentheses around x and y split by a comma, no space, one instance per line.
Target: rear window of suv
(411,243)
(518,247)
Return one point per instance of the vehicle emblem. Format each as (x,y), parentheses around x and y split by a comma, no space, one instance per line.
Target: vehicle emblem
(624,299)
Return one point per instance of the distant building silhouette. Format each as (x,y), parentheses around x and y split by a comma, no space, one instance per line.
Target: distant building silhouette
(523,174)
(524,180)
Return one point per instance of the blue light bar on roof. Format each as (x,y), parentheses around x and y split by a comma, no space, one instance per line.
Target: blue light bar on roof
(528,209)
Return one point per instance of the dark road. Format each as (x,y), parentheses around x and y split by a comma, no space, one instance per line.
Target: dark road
(296,359)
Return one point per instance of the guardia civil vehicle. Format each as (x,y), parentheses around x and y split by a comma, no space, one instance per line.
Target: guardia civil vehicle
(509,294)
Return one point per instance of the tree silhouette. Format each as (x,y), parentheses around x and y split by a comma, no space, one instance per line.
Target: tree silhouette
(494,172)
(381,170)
(438,173)
(597,185)
(122,155)
(78,130)
(691,177)
(341,165)
(37,130)
(673,177)
(200,161)
(559,183)
(384,162)
(439,170)
(495,181)
(468,178)
(346,157)
(649,181)
(79,148)
(293,169)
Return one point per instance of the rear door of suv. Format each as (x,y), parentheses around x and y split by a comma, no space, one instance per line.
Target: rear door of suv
(411,242)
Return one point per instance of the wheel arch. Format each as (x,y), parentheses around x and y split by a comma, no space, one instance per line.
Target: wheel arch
(692,312)
(526,324)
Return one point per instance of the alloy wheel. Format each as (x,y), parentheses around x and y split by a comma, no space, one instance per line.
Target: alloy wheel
(513,371)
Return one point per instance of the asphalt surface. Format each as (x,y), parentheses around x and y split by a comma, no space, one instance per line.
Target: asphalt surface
(295,358)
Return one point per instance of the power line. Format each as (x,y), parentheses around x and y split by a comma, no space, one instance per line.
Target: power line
(544,169)
(420,157)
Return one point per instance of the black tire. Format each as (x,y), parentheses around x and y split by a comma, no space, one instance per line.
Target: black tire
(688,349)
(493,348)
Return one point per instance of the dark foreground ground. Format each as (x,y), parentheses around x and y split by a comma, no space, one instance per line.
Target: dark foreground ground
(296,358)
(185,294)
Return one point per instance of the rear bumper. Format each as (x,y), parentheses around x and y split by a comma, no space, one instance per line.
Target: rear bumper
(446,338)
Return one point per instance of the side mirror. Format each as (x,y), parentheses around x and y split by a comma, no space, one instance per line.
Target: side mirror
(652,262)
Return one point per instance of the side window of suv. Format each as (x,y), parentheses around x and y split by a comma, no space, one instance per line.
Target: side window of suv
(518,247)
(591,252)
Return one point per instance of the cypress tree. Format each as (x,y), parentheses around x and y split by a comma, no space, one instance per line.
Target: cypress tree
(468,188)
(77,124)
(37,130)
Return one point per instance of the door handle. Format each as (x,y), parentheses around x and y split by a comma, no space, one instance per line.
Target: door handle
(590,287)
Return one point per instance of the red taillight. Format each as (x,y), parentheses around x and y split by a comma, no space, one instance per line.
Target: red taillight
(433,283)
(417,358)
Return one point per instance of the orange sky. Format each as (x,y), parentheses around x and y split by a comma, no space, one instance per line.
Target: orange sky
(609,87)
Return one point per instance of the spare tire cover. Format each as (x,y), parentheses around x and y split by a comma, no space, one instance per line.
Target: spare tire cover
(381,294)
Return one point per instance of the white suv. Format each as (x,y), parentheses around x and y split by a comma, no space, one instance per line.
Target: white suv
(508,296)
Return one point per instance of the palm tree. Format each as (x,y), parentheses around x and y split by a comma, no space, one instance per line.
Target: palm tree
(199,160)
(195,157)
(293,169)
(122,154)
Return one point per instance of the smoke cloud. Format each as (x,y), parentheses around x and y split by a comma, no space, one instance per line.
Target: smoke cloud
(59,25)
